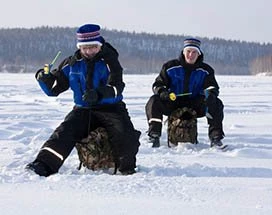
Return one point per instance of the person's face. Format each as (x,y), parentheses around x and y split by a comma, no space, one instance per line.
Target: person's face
(89,51)
(190,55)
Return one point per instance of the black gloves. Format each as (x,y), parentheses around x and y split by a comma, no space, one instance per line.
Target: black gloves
(41,75)
(94,96)
(164,95)
(91,97)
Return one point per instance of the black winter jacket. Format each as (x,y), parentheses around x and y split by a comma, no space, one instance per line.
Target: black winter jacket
(181,78)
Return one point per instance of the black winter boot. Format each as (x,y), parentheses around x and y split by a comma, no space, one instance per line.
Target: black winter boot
(154,138)
(155,141)
(127,165)
(39,168)
(217,143)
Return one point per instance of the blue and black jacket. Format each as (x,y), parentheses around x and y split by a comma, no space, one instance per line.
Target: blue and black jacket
(103,73)
(181,78)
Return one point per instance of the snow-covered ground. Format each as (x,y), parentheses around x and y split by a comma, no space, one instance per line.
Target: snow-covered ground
(187,179)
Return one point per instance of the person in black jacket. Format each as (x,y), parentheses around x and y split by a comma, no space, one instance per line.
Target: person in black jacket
(186,82)
(94,74)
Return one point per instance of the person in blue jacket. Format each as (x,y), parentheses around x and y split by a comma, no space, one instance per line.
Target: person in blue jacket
(186,82)
(94,74)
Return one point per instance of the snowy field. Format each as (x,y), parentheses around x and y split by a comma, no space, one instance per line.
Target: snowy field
(187,179)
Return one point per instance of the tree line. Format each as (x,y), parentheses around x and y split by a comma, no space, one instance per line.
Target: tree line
(26,50)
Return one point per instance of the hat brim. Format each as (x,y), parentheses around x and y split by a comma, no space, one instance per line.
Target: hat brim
(193,47)
(88,43)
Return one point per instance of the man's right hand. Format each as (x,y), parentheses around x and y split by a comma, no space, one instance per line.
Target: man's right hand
(42,75)
(164,96)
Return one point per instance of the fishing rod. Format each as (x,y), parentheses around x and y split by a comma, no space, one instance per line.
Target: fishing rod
(174,96)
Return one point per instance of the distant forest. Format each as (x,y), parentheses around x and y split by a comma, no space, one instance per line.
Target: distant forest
(26,50)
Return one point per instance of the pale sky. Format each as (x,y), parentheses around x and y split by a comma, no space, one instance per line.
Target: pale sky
(245,20)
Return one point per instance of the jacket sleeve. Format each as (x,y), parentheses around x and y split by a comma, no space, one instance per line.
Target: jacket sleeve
(210,81)
(56,81)
(161,82)
(115,84)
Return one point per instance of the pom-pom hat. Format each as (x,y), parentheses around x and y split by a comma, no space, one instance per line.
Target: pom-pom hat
(192,43)
(89,34)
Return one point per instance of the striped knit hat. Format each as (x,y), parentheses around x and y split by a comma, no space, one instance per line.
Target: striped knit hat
(192,43)
(89,34)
